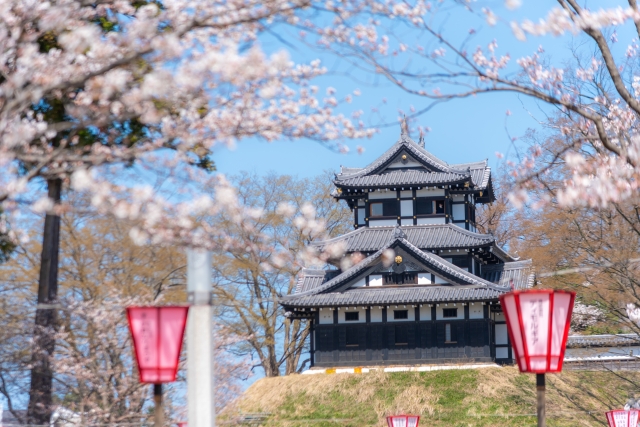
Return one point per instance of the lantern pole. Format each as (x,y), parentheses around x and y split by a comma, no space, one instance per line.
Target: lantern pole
(200,412)
(540,386)
(159,409)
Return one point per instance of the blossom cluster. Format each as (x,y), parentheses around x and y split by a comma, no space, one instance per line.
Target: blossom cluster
(179,73)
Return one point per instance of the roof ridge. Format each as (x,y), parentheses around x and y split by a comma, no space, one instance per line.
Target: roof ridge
(337,238)
(455,271)
(405,228)
(405,142)
(455,268)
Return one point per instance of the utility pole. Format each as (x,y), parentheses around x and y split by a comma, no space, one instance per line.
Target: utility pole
(200,398)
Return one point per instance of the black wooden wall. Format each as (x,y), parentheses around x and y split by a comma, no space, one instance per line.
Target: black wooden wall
(404,342)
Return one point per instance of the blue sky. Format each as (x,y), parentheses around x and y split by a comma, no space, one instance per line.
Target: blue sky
(461,130)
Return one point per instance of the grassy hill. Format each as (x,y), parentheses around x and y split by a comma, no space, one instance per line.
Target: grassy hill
(483,397)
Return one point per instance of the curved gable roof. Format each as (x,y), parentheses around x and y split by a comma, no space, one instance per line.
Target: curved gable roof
(438,171)
(404,143)
(431,261)
(426,236)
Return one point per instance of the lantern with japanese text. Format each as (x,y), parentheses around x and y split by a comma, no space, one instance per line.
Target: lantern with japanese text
(538,321)
(403,421)
(623,418)
(157,334)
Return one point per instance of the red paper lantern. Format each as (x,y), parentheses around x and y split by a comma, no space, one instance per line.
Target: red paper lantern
(157,339)
(622,418)
(538,321)
(403,421)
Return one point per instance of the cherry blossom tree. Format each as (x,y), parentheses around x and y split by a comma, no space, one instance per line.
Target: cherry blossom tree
(101,271)
(592,95)
(145,84)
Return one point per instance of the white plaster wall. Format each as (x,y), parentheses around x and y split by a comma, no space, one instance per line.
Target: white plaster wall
(502,352)
(499,317)
(411,313)
(361,216)
(360,283)
(360,202)
(424,278)
(375,280)
(376,314)
(326,316)
(407,164)
(382,195)
(382,222)
(431,221)
(476,311)
(428,192)
(501,334)
(458,197)
(439,280)
(425,312)
(473,228)
(458,212)
(406,193)
(439,309)
(406,222)
(460,224)
(406,207)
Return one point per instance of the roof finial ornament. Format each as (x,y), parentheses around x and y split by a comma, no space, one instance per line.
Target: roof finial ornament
(404,127)
(398,233)
(421,141)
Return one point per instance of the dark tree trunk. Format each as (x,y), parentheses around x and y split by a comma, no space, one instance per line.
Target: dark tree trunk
(41,391)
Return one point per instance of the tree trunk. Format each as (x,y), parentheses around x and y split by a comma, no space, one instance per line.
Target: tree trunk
(41,391)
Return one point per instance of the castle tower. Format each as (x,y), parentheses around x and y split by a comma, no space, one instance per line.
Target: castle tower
(436,300)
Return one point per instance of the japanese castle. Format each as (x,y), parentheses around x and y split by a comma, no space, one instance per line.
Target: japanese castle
(426,287)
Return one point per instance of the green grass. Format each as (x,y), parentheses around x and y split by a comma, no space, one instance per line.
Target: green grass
(455,398)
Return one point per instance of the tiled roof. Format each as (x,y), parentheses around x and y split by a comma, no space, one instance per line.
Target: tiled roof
(400,295)
(428,236)
(310,290)
(521,272)
(403,177)
(440,171)
(310,279)
(580,341)
(480,172)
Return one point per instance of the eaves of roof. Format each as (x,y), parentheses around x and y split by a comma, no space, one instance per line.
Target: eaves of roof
(407,144)
(404,177)
(431,261)
(400,295)
(427,236)
(520,273)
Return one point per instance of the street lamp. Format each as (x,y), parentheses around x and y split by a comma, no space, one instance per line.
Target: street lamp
(403,420)
(538,321)
(157,334)
(622,418)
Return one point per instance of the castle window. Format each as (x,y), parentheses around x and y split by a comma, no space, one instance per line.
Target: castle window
(424,207)
(429,206)
(384,208)
(352,316)
(449,312)
(400,314)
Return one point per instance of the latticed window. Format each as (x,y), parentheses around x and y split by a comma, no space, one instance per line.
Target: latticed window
(352,316)
(401,279)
